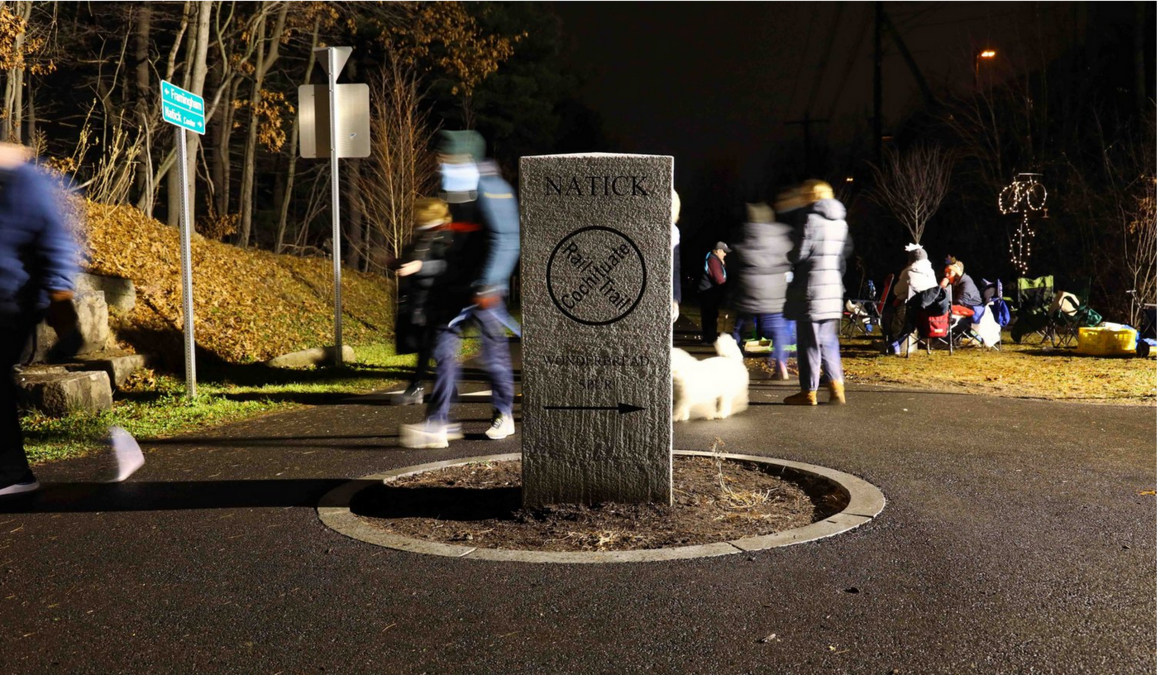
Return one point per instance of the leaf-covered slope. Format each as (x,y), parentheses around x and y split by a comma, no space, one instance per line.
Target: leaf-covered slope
(250,305)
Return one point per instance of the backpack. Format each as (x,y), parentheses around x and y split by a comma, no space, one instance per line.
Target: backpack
(1003,315)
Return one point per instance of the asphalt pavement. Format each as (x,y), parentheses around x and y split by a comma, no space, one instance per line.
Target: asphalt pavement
(1014,540)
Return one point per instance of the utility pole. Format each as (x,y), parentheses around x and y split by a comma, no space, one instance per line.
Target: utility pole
(807,124)
(877,79)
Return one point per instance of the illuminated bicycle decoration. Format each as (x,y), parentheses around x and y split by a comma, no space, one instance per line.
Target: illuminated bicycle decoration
(1023,196)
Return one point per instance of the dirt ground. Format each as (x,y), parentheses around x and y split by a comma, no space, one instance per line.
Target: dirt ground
(480,504)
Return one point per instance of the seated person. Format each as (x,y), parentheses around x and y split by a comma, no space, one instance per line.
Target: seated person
(916,277)
(965,297)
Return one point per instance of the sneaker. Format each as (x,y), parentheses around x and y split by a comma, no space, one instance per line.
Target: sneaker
(502,426)
(413,395)
(127,455)
(27,484)
(422,436)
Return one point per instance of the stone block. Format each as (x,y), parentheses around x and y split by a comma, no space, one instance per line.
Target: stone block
(120,293)
(93,318)
(595,269)
(118,367)
(318,356)
(58,392)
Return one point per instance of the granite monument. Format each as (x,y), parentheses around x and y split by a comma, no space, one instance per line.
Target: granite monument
(595,279)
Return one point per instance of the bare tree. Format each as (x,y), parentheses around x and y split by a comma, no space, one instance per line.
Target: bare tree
(1140,240)
(912,185)
(399,169)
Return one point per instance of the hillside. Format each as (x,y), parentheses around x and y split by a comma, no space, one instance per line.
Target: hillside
(250,305)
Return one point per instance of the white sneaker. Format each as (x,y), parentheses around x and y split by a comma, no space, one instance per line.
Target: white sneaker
(502,426)
(127,455)
(422,436)
(28,484)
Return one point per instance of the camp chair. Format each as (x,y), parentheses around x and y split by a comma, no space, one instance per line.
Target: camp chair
(1147,342)
(1066,315)
(931,321)
(1032,302)
(860,315)
(983,328)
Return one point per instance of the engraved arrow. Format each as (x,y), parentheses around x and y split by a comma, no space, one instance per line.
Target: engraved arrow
(621,408)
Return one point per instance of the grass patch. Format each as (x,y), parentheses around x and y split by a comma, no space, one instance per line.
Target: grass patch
(154,405)
(1019,370)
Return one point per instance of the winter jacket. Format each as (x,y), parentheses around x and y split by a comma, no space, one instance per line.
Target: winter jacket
(429,247)
(37,252)
(455,288)
(818,254)
(714,273)
(762,272)
(964,292)
(915,278)
(484,248)
(501,217)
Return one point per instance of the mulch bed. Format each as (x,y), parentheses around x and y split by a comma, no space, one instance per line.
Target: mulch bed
(479,505)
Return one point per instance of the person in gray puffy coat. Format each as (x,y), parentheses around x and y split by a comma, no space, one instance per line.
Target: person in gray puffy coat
(816,293)
(762,281)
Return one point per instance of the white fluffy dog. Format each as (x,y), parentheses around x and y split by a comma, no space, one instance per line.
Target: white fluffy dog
(713,388)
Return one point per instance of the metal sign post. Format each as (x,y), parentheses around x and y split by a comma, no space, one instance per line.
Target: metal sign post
(185,111)
(334,69)
(348,129)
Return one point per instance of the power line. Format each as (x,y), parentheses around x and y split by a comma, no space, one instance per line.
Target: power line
(812,99)
(800,68)
(857,42)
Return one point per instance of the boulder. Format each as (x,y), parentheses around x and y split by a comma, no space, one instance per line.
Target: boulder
(318,356)
(120,293)
(57,392)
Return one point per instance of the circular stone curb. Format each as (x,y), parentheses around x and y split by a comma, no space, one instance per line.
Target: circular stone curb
(865,503)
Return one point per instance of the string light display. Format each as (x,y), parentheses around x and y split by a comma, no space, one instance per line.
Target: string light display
(1025,195)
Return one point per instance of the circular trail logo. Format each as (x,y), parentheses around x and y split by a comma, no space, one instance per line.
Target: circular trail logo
(596,275)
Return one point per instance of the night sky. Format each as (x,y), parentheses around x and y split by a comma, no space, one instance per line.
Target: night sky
(712,83)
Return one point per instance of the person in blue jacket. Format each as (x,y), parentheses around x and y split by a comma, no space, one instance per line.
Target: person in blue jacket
(38,265)
(484,249)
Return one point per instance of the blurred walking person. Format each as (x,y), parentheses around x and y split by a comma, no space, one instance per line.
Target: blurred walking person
(38,264)
(484,248)
(762,275)
(414,331)
(711,286)
(816,294)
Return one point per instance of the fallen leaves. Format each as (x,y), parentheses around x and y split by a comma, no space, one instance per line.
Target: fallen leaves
(250,305)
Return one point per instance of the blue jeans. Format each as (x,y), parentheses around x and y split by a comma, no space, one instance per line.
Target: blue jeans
(817,347)
(773,327)
(494,354)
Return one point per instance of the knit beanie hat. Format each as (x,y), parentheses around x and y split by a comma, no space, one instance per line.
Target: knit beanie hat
(915,252)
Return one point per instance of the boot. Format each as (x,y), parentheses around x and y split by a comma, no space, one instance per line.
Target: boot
(837,393)
(803,398)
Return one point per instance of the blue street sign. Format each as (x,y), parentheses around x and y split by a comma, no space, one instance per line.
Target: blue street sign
(182,108)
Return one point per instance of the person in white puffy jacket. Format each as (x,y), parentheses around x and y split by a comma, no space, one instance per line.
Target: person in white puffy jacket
(917,276)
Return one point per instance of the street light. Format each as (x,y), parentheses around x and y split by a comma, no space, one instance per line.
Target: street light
(985,55)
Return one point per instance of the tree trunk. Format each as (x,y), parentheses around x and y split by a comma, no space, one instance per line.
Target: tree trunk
(290,172)
(174,178)
(198,71)
(224,150)
(32,113)
(142,103)
(353,237)
(267,51)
